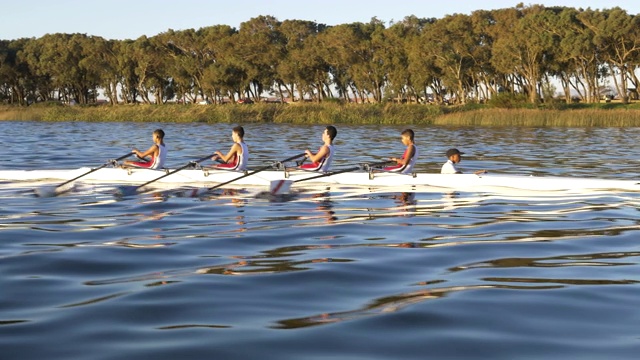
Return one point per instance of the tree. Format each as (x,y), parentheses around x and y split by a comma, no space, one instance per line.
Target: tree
(303,70)
(399,36)
(17,82)
(259,48)
(425,75)
(618,34)
(453,48)
(522,49)
(151,68)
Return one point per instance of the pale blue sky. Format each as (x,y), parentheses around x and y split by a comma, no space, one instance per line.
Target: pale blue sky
(120,19)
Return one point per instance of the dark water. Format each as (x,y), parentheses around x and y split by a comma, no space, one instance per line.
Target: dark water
(338,273)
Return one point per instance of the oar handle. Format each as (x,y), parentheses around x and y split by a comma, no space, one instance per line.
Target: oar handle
(330,173)
(369,166)
(190,163)
(124,156)
(96,169)
(365,166)
(253,172)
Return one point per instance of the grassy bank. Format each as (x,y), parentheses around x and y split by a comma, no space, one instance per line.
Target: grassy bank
(580,115)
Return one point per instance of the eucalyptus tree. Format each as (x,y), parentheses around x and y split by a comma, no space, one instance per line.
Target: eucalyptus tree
(453,46)
(188,59)
(618,35)
(425,75)
(330,45)
(395,57)
(68,62)
(17,81)
(634,65)
(40,56)
(111,75)
(259,47)
(521,48)
(484,76)
(227,77)
(152,64)
(367,42)
(354,54)
(100,64)
(219,76)
(193,52)
(126,68)
(7,60)
(303,69)
(576,57)
(86,73)
(315,70)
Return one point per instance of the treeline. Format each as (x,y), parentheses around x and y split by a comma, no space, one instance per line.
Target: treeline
(459,58)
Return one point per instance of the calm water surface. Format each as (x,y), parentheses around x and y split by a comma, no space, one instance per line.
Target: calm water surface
(328,272)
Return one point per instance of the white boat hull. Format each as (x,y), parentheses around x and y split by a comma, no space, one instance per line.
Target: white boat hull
(200,178)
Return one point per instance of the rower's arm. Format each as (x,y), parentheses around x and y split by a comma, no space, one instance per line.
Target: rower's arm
(234,151)
(150,152)
(324,150)
(407,159)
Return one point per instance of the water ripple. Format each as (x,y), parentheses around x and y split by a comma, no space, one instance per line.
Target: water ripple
(422,272)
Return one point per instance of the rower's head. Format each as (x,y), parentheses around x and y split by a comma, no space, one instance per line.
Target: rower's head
(407,136)
(158,135)
(239,132)
(454,155)
(331,132)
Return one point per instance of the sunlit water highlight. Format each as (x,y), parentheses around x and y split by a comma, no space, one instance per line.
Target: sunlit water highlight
(326,272)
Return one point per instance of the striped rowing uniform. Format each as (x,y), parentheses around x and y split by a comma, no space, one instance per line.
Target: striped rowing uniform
(408,167)
(322,165)
(238,161)
(155,162)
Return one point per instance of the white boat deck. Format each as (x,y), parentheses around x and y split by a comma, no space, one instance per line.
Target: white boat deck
(202,178)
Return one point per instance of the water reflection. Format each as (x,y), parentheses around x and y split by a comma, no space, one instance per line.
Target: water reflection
(554,261)
(390,304)
(323,206)
(378,261)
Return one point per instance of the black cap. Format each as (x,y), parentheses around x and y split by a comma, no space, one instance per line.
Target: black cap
(453,151)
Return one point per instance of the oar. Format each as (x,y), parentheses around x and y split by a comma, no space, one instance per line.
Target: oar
(49,191)
(249,174)
(127,190)
(279,187)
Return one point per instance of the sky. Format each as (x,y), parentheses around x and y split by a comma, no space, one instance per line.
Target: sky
(130,19)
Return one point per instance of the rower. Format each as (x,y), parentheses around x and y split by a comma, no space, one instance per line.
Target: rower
(236,158)
(405,164)
(321,161)
(454,157)
(157,151)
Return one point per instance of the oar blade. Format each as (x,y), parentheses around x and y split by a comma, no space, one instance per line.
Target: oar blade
(53,190)
(193,192)
(126,190)
(280,187)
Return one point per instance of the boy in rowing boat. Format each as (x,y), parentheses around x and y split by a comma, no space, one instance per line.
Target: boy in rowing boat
(405,164)
(157,151)
(455,156)
(321,161)
(236,158)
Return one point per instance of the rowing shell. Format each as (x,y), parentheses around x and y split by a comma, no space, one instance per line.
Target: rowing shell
(265,178)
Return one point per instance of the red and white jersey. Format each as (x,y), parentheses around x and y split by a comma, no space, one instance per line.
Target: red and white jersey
(324,164)
(408,167)
(239,161)
(156,162)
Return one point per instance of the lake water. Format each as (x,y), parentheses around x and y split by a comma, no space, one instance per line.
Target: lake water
(338,273)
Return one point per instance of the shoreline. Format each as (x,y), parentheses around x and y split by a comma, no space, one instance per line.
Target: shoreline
(587,115)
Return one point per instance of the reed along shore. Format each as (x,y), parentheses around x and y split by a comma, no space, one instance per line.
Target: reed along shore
(573,115)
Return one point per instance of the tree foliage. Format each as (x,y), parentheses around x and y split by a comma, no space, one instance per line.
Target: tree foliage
(457,59)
